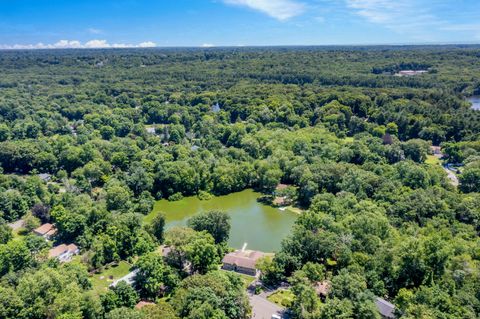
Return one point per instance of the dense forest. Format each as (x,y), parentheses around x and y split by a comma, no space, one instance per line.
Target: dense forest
(90,139)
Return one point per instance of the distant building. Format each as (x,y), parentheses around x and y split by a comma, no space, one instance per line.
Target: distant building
(46,231)
(281,197)
(63,253)
(280,201)
(387,139)
(242,261)
(281,187)
(385,308)
(436,150)
(45,177)
(216,108)
(411,72)
(151,130)
(322,288)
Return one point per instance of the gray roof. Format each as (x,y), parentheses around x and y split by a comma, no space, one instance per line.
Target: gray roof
(45,177)
(385,308)
(129,278)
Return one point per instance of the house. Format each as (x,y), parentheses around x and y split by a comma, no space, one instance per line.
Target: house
(385,308)
(242,261)
(281,187)
(63,253)
(436,150)
(216,108)
(280,201)
(151,130)
(45,177)
(129,278)
(387,139)
(46,231)
(322,288)
(411,73)
(281,196)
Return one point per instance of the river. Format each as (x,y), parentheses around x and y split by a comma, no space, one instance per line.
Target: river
(261,226)
(475,101)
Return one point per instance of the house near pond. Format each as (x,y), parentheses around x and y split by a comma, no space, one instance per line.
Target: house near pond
(63,253)
(46,231)
(242,261)
(281,196)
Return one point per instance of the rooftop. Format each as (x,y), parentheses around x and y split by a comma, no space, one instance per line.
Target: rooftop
(322,287)
(243,258)
(61,249)
(45,229)
(385,308)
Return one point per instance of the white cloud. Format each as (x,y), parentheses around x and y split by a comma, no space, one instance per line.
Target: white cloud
(147,44)
(207,45)
(74,44)
(279,9)
(413,17)
(94,31)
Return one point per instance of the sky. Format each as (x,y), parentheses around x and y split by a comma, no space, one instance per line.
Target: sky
(206,23)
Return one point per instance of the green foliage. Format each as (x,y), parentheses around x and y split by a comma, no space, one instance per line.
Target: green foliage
(214,295)
(154,278)
(350,138)
(216,223)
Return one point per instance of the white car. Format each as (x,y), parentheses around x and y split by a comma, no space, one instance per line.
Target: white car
(276,317)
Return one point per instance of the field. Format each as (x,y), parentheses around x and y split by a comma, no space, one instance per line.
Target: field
(432,160)
(283,298)
(102,280)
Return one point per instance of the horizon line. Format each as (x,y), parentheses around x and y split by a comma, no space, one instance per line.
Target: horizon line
(415,44)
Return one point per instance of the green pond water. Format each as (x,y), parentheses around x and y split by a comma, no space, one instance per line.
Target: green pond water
(260,226)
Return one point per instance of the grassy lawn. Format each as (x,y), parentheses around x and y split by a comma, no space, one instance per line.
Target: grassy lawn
(432,160)
(247,280)
(283,298)
(295,210)
(101,281)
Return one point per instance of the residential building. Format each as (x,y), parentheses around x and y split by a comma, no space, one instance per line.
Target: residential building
(63,253)
(46,231)
(242,261)
(385,308)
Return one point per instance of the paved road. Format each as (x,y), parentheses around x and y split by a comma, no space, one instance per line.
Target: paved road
(452,177)
(262,308)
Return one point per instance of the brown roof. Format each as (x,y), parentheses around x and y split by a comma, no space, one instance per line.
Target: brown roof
(322,287)
(142,304)
(244,259)
(279,201)
(45,229)
(281,186)
(60,249)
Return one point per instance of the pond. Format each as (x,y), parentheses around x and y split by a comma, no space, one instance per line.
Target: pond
(261,226)
(475,101)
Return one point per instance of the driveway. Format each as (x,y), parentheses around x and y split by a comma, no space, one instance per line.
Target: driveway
(451,176)
(264,309)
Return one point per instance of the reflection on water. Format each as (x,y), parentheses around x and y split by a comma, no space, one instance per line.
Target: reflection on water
(261,226)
